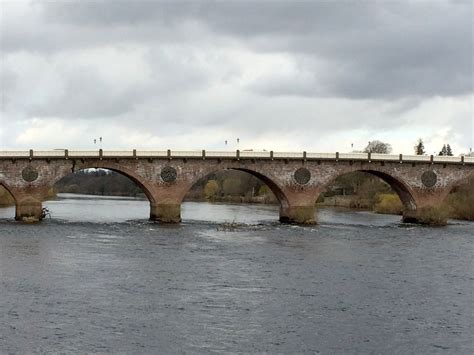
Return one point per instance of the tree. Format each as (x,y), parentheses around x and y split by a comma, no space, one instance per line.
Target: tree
(232,187)
(449,152)
(378,147)
(444,151)
(211,189)
(420,147)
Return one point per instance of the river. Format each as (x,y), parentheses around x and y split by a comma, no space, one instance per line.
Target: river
(98,277)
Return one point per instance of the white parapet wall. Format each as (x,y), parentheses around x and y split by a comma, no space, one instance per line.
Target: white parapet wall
(244,154)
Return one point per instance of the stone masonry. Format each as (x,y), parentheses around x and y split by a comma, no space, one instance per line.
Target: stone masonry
(296,183)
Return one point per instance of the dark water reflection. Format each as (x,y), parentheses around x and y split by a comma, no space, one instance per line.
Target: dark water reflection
(356,283)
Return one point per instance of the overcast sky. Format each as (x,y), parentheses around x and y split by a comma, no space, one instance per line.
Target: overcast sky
(288,76)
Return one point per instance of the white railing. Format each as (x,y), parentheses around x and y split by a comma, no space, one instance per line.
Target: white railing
(149,153)
(117,153)
(81,153)
(186,154)
(418,158)
(289,155)
(321,155)
(446,159)
(375,156)
(355,156)
(245,154)
(48,153)
(226,154)
(10,153)
(254,154)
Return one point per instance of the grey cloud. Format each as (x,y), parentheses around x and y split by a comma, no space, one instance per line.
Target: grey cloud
(372,49)
(356,65)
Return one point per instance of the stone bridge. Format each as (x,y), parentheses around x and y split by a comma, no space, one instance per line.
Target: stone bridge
(296,179)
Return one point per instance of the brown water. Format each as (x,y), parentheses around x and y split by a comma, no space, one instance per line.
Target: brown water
(98,277)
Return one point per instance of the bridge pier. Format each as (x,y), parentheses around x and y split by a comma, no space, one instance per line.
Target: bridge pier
(165,212)
(29,210)
(298,214)
(429,209)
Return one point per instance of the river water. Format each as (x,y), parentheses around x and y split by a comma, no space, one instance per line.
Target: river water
(98,277)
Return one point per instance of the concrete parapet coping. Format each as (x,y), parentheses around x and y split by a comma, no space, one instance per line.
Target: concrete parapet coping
(239,154)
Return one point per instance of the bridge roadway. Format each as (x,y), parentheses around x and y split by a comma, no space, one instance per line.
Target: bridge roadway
(297,178)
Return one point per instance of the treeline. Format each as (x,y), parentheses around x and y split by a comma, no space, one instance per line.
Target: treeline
(225,186)
(362,191)
(98,182)
(231,186)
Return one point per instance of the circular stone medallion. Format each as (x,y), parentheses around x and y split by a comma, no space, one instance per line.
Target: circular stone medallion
(302,176)
(429,178)
(29,174)
(168,174)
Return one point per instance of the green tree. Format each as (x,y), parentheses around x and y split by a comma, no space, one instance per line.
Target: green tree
(264,190)
(420,147)
(231,187)
(449,152)
(211,189)
(443,151)
(378,147)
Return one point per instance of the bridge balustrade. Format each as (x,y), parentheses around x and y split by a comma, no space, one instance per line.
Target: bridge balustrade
(252,154)
(83,153)
(375,156)
(355,156)
(10,153)
(321,155)
(186,154)
(446,159)
(49,153)
(416,158)
(288,155)
(117,153)
(221,154)
(150,153)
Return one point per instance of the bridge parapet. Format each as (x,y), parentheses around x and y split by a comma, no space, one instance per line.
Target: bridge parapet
(296,178)
(239,154)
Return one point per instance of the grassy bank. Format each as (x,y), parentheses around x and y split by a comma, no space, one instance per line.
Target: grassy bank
(460,203)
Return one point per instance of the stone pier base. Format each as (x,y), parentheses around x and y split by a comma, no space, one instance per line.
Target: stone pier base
(298,214)
(29,210)
(166,213)
(434,216)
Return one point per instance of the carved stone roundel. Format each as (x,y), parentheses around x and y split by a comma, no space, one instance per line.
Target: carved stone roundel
(168,174)
(429,178)
(29,174)
(302,176)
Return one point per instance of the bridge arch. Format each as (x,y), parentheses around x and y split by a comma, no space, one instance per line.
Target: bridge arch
(401,188)
(11,192)
(276,189)
(144,185)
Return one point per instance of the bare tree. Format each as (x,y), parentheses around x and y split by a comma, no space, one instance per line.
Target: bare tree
(378,147)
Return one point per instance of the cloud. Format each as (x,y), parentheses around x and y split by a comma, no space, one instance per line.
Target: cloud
(279,75)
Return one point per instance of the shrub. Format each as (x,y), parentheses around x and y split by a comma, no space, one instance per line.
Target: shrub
(211,189)
(461,202)
(388,204)
(434,216)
